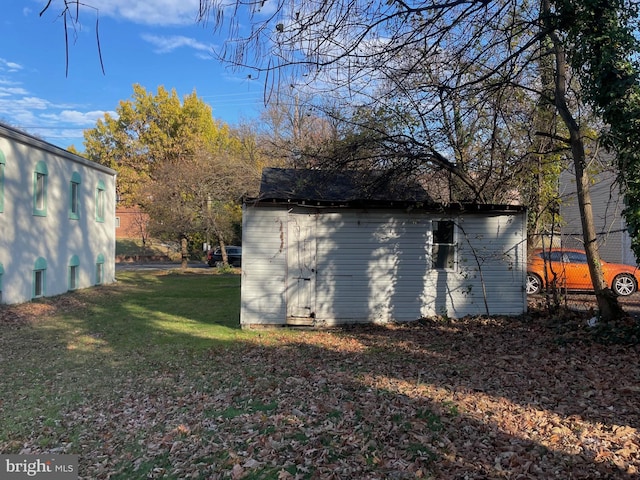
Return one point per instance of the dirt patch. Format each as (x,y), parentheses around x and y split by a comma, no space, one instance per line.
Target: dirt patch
(42,308)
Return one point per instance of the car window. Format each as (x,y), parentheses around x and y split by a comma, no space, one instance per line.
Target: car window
(555,256)
(576,257)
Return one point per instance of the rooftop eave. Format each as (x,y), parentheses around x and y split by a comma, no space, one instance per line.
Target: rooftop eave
(388,204)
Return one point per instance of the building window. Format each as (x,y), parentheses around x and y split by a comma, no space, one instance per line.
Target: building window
(74,196)
(1,274)
(74,268)
(100,201)
(100,270)
(2,163)
(39,278)
(117,222)
(443,250)
(40,190)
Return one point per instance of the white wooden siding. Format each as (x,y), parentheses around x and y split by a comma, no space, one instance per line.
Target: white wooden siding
(264,266)
(375,266)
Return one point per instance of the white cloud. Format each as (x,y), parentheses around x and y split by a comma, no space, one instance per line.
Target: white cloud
(10,67)
(30,103)
(267,8)
(156,12)
(10,91)
(87,119)
(170,43)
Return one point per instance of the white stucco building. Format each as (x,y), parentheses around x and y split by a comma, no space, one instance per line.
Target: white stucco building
(57,219)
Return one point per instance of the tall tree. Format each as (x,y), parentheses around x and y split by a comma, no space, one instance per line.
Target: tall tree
(198,195)
(606,57)
(174,160)
(149,130)
(292,131)
(420,56)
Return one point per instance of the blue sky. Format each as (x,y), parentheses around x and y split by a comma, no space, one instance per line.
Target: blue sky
(151,43)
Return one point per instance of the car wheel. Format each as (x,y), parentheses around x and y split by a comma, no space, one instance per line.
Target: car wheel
(534,284)
(624,284)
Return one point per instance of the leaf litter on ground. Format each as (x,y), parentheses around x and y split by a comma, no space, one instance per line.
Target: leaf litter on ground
(527,398)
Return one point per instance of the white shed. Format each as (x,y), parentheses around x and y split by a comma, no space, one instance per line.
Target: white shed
(322,248)
(57,219)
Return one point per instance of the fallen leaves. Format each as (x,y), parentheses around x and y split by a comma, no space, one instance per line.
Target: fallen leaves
(475,398)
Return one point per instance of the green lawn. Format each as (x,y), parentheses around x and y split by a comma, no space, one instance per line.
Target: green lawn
(88,344)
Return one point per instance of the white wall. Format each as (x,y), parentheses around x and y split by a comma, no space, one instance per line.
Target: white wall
(264,266)
(375,266)
(25,237)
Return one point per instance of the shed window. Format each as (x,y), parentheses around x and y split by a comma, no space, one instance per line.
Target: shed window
(2,163)
(74,197)
(443,250)
(40,190)
(100,201)
(39,278)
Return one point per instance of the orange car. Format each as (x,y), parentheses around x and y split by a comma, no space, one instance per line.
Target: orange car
(570,269)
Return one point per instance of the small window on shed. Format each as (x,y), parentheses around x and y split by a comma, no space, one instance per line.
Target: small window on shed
(443,251)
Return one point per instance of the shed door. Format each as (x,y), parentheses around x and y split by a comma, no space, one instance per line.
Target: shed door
(301,260)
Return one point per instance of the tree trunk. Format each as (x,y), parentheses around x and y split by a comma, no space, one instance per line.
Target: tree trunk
(607,301)
(184,250)
(223,251)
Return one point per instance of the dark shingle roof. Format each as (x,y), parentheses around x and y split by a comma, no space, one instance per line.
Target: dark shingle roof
(331,186)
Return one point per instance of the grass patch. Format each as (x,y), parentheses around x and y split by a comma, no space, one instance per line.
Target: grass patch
(169,311)
(137,331)
(128,246)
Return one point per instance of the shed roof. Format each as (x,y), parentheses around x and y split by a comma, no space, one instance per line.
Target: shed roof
(338,186)
(351,188)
